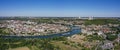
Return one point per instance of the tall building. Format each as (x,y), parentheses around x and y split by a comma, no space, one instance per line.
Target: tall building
(79,17)
(90,18)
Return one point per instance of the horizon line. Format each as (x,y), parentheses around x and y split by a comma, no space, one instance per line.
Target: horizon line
(59,16)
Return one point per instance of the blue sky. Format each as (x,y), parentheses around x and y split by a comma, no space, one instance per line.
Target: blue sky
(98,8)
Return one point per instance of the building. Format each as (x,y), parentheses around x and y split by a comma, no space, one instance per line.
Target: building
(90,18)
(107,45)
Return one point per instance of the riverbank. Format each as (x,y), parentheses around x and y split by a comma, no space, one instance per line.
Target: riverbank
(74,30)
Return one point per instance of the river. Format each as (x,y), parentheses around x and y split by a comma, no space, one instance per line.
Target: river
(74,30)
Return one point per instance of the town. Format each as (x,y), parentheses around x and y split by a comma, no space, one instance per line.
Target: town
(96,34)
(26,28)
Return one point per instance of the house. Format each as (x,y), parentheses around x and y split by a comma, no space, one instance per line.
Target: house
(107,45)
(100,32)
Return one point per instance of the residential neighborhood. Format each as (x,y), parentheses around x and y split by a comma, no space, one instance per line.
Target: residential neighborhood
(26,28)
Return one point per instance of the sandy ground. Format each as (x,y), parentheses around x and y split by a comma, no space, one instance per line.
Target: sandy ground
(21,48)
(64,47)
(77,38)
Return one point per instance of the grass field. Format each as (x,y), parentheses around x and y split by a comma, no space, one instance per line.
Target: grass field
(20,48)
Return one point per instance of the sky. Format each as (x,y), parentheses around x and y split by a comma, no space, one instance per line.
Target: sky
(63,8)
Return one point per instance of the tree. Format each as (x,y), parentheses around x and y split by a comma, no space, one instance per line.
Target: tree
(111,37)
